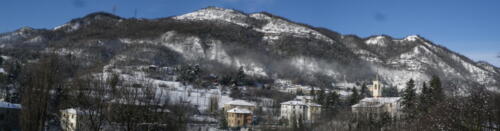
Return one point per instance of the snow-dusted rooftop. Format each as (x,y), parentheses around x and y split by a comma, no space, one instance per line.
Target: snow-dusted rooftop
(368,104)
(304,97)
(239,110)
(294,102)
(9,105)
(240,103)
(382,99)
(299,102)
(376,102)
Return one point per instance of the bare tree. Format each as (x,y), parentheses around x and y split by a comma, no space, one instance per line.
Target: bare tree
(39,80)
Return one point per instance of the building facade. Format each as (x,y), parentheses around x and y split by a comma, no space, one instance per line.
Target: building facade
(74,120)
(239,117)
(301,107)
(377,105)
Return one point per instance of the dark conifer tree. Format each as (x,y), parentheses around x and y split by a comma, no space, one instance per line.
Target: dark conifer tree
(436,91)
(409,98)
(332,100)
(354,96)
(424,101)
(321,97)
(364,91)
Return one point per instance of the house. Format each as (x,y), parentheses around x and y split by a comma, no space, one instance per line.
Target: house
(74,120)
(377,105)
(239,117)
(302,89)
(9,116)
(239,104)
(301,107)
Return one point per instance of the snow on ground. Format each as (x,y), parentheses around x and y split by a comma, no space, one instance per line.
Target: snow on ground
(412,38)
(72,27)
(9,105)
(378,40)
(174,91)
(399,78)
(279,26)
(35,39)
(214,13)
(65,51)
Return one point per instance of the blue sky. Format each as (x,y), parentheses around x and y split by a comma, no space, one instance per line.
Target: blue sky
(470,27)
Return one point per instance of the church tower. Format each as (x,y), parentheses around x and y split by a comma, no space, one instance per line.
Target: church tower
(376,88)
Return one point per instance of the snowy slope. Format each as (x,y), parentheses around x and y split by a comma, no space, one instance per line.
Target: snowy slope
(215,13)
(263,44)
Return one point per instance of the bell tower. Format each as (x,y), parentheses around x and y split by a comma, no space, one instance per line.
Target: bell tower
(376,88)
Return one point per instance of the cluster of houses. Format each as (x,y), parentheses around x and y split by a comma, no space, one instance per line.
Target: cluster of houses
(240,113)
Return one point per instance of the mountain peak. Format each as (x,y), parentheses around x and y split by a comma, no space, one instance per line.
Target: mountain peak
(378,40)
(101,15)
(217,13)
(412,38)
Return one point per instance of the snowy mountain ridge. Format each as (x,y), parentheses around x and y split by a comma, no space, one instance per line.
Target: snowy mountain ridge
(266,46)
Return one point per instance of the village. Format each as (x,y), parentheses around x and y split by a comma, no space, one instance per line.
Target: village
(249,65)
(302,108)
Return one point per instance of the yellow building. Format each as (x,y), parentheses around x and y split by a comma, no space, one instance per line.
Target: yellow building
(238,117)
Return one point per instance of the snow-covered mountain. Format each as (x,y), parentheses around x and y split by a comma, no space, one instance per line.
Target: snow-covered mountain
(265,45)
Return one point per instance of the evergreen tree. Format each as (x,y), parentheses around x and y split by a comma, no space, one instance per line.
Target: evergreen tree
(354,96)
(223,120)
(364,91)
(235,93)
(321,97)
(436,91)
(312,93)
(332,100)
(1,60)
(409,98)
(424,101)
(240,76)
(391,91)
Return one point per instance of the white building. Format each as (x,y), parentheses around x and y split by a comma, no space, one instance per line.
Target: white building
(74,120)
(301,108)
(374,107)
(377,105)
